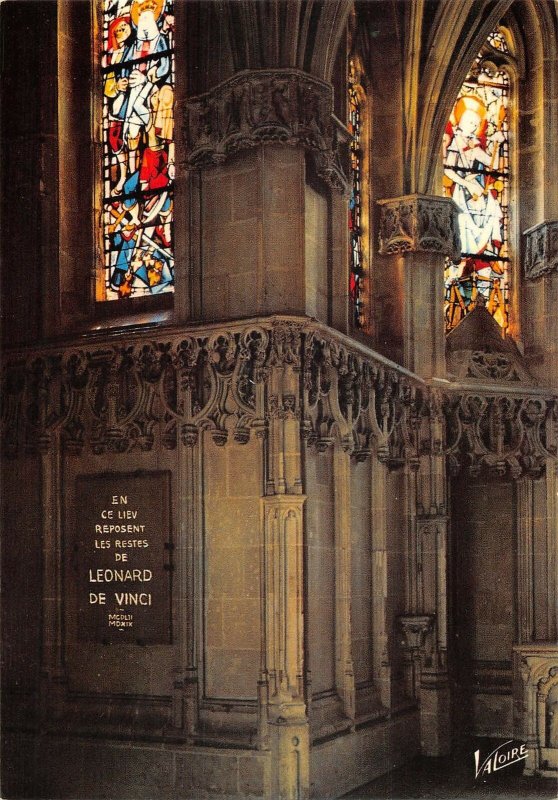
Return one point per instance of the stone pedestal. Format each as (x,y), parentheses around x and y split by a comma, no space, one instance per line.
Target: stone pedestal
(536,705)
(426,684)
(435,723)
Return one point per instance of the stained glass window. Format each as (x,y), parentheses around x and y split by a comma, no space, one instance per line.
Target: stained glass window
(476,175)
(137,67)
(355,203)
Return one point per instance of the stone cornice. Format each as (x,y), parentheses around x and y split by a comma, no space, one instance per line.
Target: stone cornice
(284,106)
(164,387)
(419,223)
(116,393)
(541,249)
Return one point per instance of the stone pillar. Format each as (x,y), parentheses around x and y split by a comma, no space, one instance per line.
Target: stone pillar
(428,580)
(525,573)
(414,628)
(264,145)
(53,676)
(419,232)
(287,726)
(551,550)
(185,683)
(284,727)
(428,685)
(52,493)
(540,298)
(380,621)
(344,679)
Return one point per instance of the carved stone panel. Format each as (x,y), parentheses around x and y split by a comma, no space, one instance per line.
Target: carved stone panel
(541,249)
(419,223)
(282,106)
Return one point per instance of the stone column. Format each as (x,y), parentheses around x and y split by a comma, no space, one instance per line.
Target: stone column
(264,147)
(540,299)
(551,549)
(414,628)
(419,232)
(428,580)
(345,678)
(284,727)
(380,622)
(51,497)
(287,724)
(525,575)
(185,678)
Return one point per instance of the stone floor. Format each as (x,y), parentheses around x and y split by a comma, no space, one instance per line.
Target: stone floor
(454,777)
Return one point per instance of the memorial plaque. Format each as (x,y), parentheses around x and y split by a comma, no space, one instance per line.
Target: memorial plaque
(122,558)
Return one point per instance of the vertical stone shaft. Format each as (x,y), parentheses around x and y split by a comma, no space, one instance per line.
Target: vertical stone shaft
(287,726)
(185,699)
(380,655)
(345,679)
(52,493)
(552,549)
(284,638)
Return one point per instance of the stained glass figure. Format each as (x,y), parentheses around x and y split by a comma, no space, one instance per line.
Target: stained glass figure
(137,67)
(476,176)
(355,204)
(497,40)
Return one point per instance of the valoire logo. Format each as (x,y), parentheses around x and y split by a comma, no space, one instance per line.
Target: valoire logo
(504,755)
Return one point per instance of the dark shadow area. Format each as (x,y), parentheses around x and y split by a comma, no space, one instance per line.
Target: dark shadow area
(454,777)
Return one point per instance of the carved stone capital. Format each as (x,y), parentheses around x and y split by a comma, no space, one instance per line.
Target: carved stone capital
(285,106)
(418,223)
(541,249)
(415,627)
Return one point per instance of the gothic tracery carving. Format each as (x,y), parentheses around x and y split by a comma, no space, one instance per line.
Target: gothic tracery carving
(232,382)
(503,434)
(285,106)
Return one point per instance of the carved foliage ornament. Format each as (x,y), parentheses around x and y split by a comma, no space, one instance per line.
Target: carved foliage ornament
(501,434)
(419,223)
(361,401)
(119,398)
(235,381)
(541,249)
(492,366)
(285,106)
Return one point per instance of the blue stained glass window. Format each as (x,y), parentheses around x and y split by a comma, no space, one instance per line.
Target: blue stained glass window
(137,66)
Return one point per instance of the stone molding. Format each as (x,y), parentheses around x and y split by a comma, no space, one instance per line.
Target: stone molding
(116,398)
(541,249)
(240,380)
(503,434)
(283,106)
(419,223)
